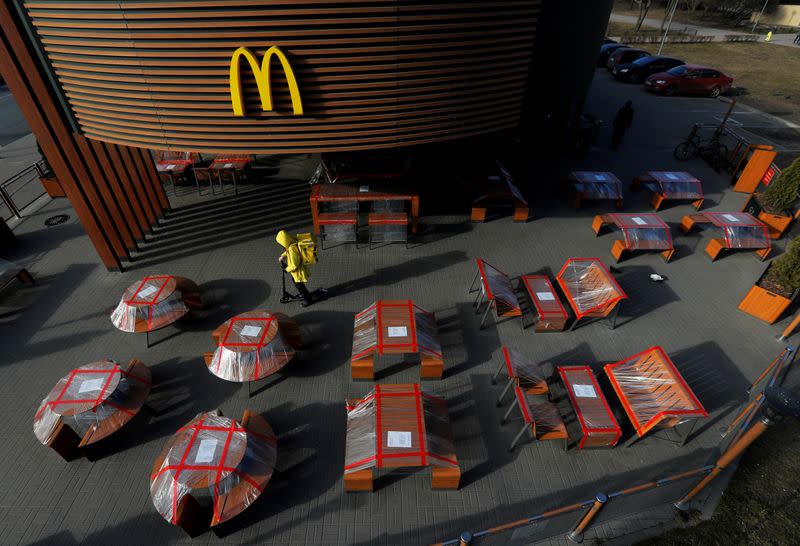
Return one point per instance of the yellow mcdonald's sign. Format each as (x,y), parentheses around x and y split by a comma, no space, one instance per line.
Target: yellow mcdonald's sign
(262,75)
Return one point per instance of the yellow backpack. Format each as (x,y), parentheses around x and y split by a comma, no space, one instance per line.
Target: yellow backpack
(307,244)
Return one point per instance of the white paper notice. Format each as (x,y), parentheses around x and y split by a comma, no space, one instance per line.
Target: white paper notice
(398,331)
(584,391)
(228,165)
(251,331)
(363,189)
(93,385)
(730,217)
(672,176)
(639,221)
(148,290)
(545,296)
(205,453)
(600,177)
(398,439)
(170,167)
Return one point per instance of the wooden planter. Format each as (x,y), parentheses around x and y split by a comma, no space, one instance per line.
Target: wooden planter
(764,304)
(777,224)
(52,186)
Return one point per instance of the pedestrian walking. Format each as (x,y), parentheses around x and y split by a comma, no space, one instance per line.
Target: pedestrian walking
(295,261)
(622,123)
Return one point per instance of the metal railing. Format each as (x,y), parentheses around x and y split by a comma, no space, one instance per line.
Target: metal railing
(19,191)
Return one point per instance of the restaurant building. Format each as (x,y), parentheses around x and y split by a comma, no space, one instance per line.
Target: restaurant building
(104,84)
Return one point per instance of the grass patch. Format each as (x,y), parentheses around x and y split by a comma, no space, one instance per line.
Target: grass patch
(768,73)
(762,503)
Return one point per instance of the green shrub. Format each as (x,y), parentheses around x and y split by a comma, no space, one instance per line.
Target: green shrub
(787,266)
(782,193)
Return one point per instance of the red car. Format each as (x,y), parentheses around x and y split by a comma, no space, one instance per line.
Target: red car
(625,55)
(690,79)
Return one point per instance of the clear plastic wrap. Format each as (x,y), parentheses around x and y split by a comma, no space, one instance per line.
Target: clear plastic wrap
(598,425)
(740,229)
(550,314)
(151,303)
(398,426)
(590,289)
(497,288)
(652,391)
(388,226)
(213,456)
(537,410)
(677,185)
(395,326)
(94,400)
(597,185)
(518,366)
(251,347)
(644,231)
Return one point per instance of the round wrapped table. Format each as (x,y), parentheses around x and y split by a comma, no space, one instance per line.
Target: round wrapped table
(154,302)
(214,456)
(253,345)
(91,403)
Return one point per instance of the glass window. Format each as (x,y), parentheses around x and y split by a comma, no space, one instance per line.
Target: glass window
(678,71)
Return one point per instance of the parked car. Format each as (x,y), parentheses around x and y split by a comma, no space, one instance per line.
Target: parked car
(690,79)
(605,52)
(638,70)
(625,55)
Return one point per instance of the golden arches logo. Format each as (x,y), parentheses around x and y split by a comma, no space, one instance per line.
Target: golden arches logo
(263,80)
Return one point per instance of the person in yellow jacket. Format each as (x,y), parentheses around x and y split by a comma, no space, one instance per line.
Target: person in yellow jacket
(292,261)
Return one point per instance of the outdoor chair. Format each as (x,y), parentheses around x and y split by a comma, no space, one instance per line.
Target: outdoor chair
(388,223)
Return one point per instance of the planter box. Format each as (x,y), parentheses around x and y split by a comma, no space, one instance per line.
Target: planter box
(777,224)
(52,186)
(764,304)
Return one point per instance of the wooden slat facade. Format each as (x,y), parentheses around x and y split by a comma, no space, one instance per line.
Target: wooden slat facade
(371,73)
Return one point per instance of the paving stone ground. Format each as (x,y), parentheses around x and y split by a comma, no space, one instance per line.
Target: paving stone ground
(227,246)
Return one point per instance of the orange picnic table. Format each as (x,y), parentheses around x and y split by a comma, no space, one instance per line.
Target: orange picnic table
(343,193)
(591,290)
(640,232)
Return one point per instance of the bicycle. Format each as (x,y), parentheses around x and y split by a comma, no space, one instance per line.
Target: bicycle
(714,152)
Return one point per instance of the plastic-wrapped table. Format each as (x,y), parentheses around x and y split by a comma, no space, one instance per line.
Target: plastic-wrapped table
(672,186)
(495,286)
(395,327)
(253,345)
(216,458)
(653,392)
(399,426)
(590,289)
(540,418)
(740,230)
(596,186)
(550,314)
(91,403)
(599,428)
(641,232)
(499,190)
(154,302)
(340,193)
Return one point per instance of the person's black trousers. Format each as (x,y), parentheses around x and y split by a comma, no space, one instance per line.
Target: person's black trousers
(616,138)
(301,287)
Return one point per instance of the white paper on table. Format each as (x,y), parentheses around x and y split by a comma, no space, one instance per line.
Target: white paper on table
(398,439)
(205,453)
(584,391)
(730,217)
(251,331)
(228,165)
(545,296)
(398,331)
(639,221)
(147,291)
(92,385)
(363,189)
(170,167)
(672,176)
(600,177)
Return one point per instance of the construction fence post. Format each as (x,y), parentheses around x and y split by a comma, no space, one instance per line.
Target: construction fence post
(576,535)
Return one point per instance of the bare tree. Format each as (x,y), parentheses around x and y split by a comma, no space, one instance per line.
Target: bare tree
(644,7)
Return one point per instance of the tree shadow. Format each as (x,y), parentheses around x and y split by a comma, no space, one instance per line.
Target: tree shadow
(326,337)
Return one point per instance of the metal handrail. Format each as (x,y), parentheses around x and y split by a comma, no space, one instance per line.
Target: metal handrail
(7,197)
